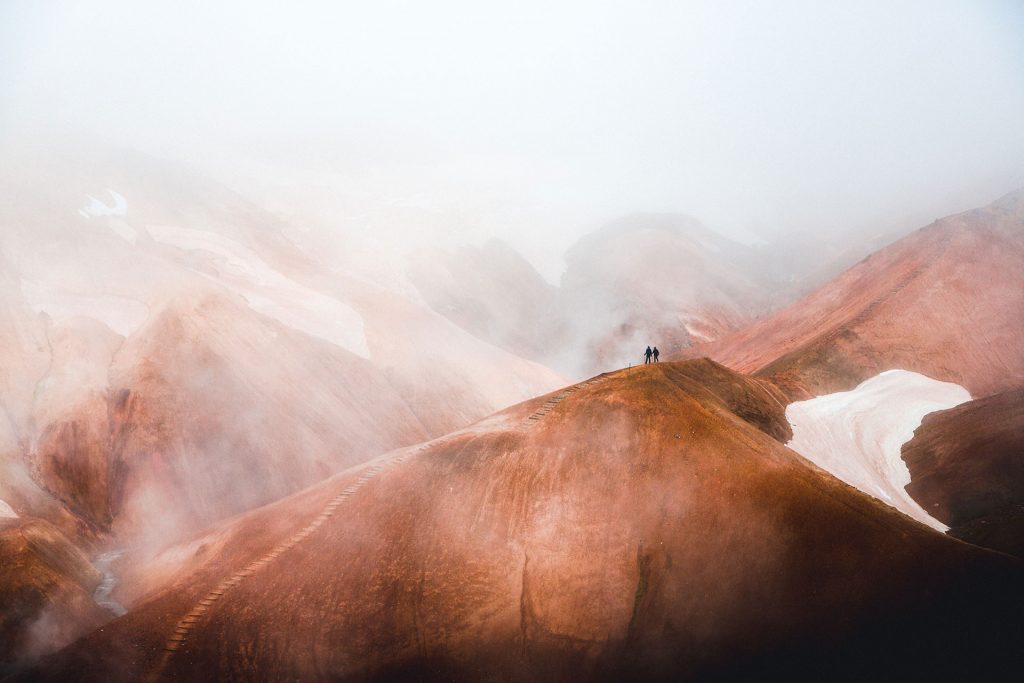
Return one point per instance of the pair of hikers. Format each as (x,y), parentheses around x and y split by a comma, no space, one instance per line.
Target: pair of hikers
(649,354)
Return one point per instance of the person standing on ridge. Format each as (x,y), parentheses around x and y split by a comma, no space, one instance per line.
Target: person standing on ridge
(655,353)
(647,355)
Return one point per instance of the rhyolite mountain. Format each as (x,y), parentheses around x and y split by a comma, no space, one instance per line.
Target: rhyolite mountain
(946,301)
(658,279)
(182,380)
(169,358)
(645,525)
(967,469)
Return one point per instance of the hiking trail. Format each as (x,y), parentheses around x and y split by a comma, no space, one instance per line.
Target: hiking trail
(186,625)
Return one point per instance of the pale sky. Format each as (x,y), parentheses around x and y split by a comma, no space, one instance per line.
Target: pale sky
(539,120)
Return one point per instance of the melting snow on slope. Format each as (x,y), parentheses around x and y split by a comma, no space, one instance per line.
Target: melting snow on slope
(97,207)
(697,334)
(269,292)
(121,314)
(102,593)
(6,512)
(857,435)
(119,209)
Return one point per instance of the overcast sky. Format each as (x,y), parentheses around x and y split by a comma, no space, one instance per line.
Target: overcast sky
(537,119)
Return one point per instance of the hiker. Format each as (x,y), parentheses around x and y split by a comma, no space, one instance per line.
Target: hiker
(647,355)
(655,353)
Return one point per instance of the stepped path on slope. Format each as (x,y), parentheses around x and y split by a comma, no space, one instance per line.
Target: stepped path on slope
(870,309)
(830,337)
(186,625)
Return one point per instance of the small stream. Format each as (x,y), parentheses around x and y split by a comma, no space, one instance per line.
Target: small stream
(102,593)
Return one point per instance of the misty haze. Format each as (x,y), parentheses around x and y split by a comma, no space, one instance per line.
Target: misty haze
(566,341)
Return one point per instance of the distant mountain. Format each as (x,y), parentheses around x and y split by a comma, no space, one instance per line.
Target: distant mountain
(946,301)
(46,591)
(658,279)
(494,293)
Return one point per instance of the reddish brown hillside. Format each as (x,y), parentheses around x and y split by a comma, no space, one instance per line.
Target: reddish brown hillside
(46,586)
(967,469)
(188,431)
(638,526)
(947,301)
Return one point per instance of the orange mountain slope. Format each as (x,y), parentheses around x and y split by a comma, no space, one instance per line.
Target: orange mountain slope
(643,525)
(946,301)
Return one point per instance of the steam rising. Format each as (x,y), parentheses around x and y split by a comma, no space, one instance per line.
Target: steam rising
(245,245)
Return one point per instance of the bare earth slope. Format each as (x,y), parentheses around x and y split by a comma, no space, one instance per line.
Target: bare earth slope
(946,301)
(158,345)
(639,526)
(967,465)
(47,582)
(169,358)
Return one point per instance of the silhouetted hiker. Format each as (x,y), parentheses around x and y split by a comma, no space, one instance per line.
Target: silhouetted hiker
(647,355)
(655,352)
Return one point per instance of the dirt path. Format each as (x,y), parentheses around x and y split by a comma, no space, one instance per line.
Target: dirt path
(558,398)
(873,306)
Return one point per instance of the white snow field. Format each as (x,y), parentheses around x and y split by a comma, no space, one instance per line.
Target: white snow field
(857,435)
(269,292)
(97,207)
(6,511)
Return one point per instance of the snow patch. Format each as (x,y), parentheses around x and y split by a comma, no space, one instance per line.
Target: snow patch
(102,593)
(692,325)
(121,314)
(269,292)
(746,237)
(98,208)
(6,511)
(857,435)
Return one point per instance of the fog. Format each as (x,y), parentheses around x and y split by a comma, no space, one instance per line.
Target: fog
(248,245)
(537,122)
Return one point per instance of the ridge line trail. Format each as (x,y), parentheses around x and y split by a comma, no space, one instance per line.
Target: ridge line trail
(550,404)
(875,303)
(831,335)
(184,626)
(872,306)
